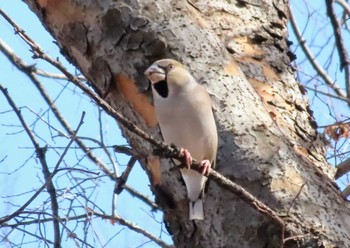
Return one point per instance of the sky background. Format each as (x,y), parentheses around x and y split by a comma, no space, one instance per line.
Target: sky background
(20,172)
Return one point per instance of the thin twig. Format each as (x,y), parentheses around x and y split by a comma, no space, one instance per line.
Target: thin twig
(322,73)
(141,197)
(102,144)
(298,237)
(39,53)
(116,219)
(346,192)
(120,183)
(342,52)
(345,99)
(135,228)
(126,150)
(37,237)
(48,177)
(40,151)
(297,195)
(345,6)
(54,75)
(30,72)
(80,170)
(342,168)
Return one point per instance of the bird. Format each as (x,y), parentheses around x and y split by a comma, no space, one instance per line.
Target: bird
(185,117)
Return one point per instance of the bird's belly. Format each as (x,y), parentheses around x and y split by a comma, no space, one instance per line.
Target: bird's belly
(184,131)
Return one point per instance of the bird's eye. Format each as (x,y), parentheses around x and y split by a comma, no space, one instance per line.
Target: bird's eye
(170,67)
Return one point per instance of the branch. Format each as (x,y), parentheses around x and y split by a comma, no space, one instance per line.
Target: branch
(37,237)
(133,227)
(102,144)
(344,60)
(164,149)
(54,75)
(113,219)
(141,197)
(39,53)
(322,73)
(343,55)
(120,182)
(40,152)
(345,6)
(346,192)
(345,99)
(6,218)
(30,72)
(342,168)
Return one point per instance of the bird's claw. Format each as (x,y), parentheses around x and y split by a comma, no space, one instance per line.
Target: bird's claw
(188,157)
(205,167)
(204,164)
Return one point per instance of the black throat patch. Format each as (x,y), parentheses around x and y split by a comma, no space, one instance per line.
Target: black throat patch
(162,88)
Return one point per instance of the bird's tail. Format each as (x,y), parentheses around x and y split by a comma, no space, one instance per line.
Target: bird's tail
(196,210)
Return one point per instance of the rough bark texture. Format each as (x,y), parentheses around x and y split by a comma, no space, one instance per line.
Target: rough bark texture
(268,142)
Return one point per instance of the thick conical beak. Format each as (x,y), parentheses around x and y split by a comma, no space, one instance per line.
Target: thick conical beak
(154,69)
(155,73)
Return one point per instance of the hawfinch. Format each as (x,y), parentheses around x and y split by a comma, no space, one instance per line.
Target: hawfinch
(185,116)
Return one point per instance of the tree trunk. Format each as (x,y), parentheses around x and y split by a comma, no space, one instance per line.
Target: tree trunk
(268,142)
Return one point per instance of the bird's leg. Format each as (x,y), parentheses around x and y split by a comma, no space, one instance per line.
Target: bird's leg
(205,167)
(188,157)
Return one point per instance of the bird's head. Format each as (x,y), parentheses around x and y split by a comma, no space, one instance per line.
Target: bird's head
(168,76)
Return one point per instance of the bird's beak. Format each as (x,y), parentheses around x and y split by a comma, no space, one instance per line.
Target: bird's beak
(155,73)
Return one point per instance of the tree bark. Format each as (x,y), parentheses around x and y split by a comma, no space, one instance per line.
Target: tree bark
(268,141)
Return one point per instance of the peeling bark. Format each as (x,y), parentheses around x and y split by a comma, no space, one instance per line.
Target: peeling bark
(268,142)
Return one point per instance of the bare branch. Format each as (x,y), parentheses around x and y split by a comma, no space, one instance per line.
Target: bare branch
(141,197)
(134,227)
(30,72)
(296,196)
(40,151)
(342,52)
(126,150)
(9,217)
(91,213)
(345,6)
(55,75)
(35,236)
(323,74)
(342,168)
(345,99)
(120,183)
(39,53)
(249,199)
(102,144)
(346,192)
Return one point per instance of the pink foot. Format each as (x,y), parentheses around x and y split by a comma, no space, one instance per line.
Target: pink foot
(205,165)
(188,157)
